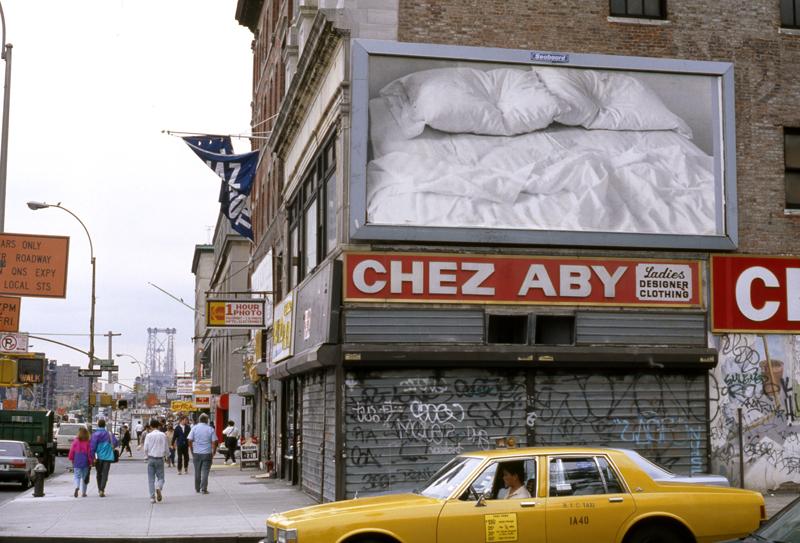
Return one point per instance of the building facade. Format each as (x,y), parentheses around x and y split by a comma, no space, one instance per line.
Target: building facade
(457,265)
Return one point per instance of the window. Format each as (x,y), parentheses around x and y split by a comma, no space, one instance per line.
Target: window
(581,476)
(790,13)
(791,157)
(640,9)
(498,478)
(312,216)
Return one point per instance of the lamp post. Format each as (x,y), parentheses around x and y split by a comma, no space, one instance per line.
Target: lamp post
(5,55)
(41,205)
(134,360)
(140,364)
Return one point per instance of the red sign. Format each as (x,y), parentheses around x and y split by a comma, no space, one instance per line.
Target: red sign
(755,294)
(448,278)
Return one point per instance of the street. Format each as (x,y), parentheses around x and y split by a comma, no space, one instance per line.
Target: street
(9,491)
(235,509)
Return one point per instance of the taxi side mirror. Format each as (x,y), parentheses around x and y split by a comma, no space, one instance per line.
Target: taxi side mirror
(481,500)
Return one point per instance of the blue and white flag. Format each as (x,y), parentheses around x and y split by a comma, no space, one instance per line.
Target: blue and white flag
(237,173)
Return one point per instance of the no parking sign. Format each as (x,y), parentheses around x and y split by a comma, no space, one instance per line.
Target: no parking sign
(11,342)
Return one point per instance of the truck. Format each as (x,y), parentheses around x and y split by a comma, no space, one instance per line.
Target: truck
(34,428)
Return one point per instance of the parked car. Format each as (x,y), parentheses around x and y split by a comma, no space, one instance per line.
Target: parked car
(783,527)
(66,434)
(565,495)
(17,462)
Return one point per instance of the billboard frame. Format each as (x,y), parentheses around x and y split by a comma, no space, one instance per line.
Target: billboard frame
(361,230)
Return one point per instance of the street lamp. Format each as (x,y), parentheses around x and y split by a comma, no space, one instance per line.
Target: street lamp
(4,55)
(139,363)
(41,205)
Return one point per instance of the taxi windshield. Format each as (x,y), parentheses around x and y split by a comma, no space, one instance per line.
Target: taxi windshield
(450,477)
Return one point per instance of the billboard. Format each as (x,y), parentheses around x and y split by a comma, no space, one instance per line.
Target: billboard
(33,265)
(758,294)
(539,148)
(490,279)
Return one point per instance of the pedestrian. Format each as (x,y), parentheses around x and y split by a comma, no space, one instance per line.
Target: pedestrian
(156,447)
(170,433)
(231,433)
(203,444)
(102,447)
(80,454)
(139,429)
(181,444)
(125,440)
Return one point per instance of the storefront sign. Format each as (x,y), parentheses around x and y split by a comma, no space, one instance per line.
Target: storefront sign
(179,405)
(9,313)
(202,401)
(235,314)
(282,329)
(33,265)
(755,294)
(184,386)
(393,277)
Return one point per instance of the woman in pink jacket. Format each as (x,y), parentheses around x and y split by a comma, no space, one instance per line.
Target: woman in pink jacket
(81,457)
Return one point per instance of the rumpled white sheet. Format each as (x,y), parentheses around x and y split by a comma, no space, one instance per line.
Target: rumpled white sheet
(561,178)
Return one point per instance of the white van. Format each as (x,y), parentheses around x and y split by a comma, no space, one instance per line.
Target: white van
(65,435)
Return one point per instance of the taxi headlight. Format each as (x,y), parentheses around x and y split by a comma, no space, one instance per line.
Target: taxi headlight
(287,536)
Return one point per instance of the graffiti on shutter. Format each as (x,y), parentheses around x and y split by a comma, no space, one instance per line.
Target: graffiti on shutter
(663,416)
(403,425)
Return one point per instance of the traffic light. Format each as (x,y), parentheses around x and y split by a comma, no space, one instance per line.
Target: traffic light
(8,372)
(122,404)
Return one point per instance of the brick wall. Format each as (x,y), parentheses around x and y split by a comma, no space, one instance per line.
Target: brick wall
(745,32)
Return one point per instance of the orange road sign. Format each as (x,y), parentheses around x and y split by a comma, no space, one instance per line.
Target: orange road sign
(32,265)
(9,313)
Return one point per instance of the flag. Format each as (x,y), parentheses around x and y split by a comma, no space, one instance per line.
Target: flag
(235,171)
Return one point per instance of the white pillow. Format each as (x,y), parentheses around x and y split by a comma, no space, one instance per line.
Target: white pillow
(502,102)
(576,90)
(609,100)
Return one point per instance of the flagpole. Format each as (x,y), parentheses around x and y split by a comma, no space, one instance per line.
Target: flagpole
(178,133)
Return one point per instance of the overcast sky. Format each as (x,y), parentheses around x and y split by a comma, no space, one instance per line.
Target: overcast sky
(93,84)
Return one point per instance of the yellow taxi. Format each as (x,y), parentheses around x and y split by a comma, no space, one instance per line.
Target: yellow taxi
(536,495)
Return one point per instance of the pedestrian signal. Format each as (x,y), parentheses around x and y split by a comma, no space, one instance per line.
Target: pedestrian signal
(122,404)
(8,371)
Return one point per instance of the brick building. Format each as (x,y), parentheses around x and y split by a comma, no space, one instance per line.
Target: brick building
(421,312)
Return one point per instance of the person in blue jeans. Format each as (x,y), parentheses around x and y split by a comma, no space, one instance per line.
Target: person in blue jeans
(102,447)
(156,447)
(203,444)
(81,457)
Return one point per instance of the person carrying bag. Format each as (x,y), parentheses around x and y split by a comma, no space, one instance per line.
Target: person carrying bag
(103,448)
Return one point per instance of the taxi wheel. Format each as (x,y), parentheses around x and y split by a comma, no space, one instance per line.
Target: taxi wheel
(655,533)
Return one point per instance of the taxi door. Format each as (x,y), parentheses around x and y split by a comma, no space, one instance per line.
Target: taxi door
(492,520)
(586,500)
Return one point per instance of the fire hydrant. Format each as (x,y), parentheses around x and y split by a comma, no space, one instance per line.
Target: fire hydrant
(39,474)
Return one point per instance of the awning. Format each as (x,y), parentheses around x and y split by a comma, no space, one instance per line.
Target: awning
(246,390)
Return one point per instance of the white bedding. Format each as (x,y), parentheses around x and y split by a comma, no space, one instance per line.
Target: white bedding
(559,178)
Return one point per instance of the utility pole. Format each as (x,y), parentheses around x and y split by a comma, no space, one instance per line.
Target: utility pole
(110,335)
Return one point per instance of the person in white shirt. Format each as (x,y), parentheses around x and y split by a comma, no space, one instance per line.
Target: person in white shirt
(139,429)
(156,447)
(231,433)
(514,479)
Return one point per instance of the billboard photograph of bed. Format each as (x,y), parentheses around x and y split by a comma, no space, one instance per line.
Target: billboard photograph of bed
(466,144)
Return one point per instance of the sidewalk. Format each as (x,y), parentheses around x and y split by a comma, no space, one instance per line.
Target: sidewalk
(235,509)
